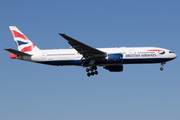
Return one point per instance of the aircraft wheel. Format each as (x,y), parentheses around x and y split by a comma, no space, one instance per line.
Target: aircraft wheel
(161,68)
(87,69)
(88,74)
(91,69)
(94,68)
(96,72)
(92,73)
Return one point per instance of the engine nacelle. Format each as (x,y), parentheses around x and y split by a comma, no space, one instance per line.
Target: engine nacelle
(117,68)
(115,58)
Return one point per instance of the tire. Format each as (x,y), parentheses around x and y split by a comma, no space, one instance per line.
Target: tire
(94,68)
(87,69)
(96,72)
(88,74)
(92,73)
(161,68)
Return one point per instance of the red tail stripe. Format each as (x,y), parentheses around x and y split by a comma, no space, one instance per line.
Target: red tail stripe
(17,34)
(27,49)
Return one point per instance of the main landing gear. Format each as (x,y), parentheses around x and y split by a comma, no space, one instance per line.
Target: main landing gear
(162,64)
(93,71)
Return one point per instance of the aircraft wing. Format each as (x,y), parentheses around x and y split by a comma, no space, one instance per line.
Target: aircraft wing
(85,50)
(17,52)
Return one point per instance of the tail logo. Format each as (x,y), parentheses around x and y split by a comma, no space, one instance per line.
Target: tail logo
(22,42)
(18,35)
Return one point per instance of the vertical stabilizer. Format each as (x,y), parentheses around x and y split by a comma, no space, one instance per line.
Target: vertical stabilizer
(22,42)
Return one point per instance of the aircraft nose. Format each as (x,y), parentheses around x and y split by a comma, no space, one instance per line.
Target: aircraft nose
(175,56)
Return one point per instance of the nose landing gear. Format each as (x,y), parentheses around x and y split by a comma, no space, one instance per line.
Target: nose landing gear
(161,68)
(92,71)
(162,64)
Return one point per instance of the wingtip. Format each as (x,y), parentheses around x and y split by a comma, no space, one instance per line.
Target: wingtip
(6,48)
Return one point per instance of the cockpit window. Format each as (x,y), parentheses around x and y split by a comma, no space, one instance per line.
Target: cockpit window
(170,52)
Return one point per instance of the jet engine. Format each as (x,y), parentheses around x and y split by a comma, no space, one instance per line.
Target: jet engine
(117,68)
(115,58)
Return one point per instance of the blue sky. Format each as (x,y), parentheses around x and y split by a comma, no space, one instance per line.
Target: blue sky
(141,92)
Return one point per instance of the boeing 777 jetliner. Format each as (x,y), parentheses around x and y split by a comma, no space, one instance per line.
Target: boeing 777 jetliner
(111,59)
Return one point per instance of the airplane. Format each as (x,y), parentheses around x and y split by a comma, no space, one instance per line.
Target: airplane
(111,59)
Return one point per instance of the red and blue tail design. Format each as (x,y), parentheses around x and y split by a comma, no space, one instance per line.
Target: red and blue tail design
(22,42)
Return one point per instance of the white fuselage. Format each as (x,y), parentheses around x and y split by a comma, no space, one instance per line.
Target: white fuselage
(131,55)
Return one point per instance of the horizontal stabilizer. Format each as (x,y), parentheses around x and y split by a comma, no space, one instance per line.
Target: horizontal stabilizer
(17,52)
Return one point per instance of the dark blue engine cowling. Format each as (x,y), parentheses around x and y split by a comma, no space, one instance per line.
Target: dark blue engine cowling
(117,68)
(115,58)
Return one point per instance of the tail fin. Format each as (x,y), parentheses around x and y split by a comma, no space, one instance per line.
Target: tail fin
(22,42)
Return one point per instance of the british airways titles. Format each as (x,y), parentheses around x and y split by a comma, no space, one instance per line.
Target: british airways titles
(141,55)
